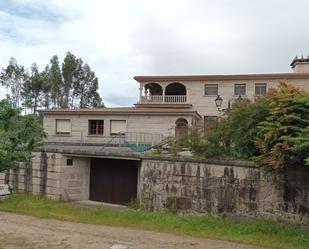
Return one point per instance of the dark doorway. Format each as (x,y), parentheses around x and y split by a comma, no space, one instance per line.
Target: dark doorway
(181,131)
(113,180)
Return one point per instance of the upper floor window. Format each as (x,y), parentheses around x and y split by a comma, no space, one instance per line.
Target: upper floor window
(240,89)
(118,127)
(63,126)
(211,89)
(260,89)
(96,127)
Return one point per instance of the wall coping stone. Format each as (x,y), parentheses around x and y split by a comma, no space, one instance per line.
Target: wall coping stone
(90,151)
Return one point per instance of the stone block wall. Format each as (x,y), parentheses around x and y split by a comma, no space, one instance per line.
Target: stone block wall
(231,188)
(49,175)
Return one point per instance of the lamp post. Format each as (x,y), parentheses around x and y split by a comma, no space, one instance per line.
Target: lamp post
(219,100)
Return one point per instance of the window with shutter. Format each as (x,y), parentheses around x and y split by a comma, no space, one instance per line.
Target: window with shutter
(63,126)
(118,127)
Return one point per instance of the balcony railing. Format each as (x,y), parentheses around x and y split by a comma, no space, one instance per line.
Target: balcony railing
(159,99)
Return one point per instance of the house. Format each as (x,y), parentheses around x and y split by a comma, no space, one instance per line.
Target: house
(167,105)
(94,153)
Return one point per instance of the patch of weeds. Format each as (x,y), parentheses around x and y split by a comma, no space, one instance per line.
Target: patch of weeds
(134,204)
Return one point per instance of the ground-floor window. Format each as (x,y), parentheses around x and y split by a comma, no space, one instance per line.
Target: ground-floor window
(210,122)
(96,127)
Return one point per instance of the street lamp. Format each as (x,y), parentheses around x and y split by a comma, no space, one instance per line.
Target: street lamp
(219,100)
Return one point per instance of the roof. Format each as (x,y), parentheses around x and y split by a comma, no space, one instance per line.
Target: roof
(267,76)
(301,60)
(124,111)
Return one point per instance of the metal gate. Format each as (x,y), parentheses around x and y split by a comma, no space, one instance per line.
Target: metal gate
(113,180)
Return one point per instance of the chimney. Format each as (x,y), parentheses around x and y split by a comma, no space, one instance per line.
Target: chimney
(300,65)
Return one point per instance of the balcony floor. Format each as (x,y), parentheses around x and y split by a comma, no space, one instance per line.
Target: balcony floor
(163,105)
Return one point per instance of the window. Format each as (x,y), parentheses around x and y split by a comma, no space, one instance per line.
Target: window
(63,126)
(260,89)
(70,162)
(96,127)
(240,89)
(211,89)
(118,127)
(209,122)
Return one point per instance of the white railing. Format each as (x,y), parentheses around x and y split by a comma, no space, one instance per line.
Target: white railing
(155,99)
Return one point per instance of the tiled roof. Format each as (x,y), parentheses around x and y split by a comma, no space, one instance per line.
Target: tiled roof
(124,111)
(226,77)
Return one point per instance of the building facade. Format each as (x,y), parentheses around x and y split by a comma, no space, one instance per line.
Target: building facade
(167,106)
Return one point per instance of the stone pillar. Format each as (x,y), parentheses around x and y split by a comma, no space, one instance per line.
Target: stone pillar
(145,93)
(140,93)
(163,93)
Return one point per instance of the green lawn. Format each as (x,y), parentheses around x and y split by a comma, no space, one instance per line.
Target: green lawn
(258,232)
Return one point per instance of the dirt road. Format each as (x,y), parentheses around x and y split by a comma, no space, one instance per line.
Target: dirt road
(21,231)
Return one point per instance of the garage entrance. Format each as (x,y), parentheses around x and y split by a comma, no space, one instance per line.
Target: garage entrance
(113,180)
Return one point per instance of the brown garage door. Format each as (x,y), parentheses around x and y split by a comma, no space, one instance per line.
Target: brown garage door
(113,180)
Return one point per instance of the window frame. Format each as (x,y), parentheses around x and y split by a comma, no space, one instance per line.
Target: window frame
(110,127)
(63,133)
(215,123)
(211,85)
(259,85)
(240,85)
(97,127)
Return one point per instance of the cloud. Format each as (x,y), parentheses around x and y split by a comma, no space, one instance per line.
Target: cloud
(120,39)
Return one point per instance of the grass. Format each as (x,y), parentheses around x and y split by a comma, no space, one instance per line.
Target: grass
(258,232)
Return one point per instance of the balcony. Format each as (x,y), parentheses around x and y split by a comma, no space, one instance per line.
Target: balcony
(173,94)
(160,99)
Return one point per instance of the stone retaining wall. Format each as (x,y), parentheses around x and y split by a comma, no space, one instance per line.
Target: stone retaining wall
(224,188)
(217,187)
(49,175)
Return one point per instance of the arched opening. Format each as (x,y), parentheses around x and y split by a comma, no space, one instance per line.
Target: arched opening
(154,89)
(181,130)
(153,93)
(175,89)
(175,93)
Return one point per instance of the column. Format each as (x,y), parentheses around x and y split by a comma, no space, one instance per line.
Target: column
(140,93)
(163,93)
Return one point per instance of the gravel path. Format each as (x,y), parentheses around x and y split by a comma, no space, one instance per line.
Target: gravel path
(21,231)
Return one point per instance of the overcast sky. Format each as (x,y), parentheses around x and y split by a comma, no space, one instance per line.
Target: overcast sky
(123,38)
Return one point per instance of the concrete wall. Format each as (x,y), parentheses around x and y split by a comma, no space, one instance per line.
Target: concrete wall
(229,188)
(49,175)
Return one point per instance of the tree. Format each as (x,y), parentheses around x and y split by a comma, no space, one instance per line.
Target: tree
(46,87)
(33,89)
(86,89)
(20,135)
(56,83)
(234,136)
(72,85)
(283,138)
(13,78)
(69,68)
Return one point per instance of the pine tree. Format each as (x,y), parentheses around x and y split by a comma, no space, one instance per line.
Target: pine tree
(33,89)
(69,66)
(13,78)
(46,87)
(56,83)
